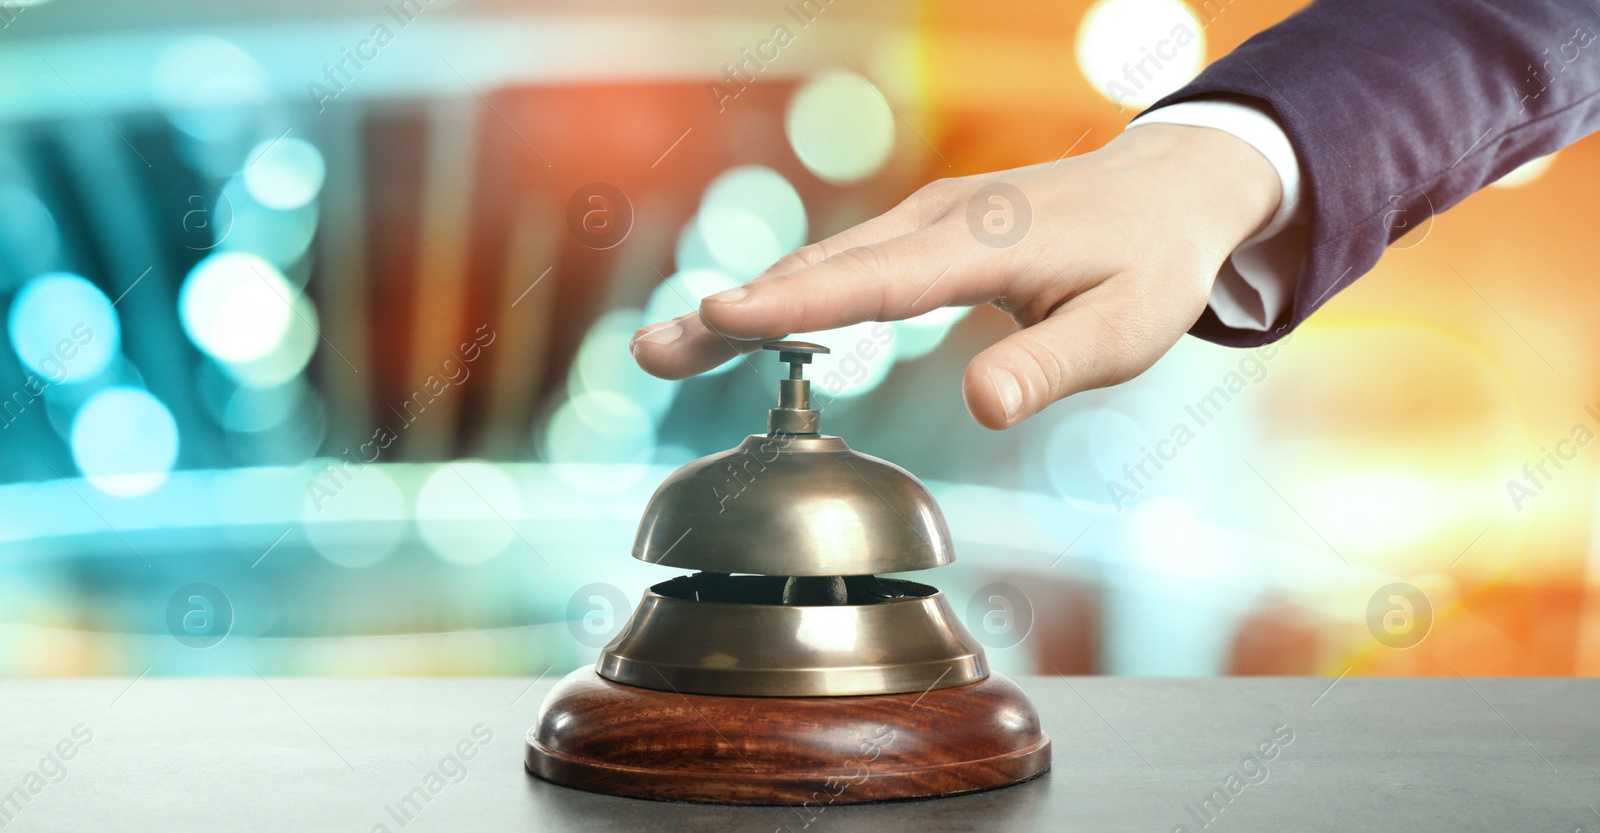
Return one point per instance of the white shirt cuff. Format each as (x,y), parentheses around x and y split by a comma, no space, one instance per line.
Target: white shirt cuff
(1255,286)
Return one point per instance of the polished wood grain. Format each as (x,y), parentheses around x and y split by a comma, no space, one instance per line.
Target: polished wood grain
(597,735)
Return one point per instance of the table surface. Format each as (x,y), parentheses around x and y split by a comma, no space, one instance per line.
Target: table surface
(1130,754)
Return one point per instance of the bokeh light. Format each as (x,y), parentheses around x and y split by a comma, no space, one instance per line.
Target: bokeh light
(861,359)
(920,335)
(749,217)
(604,364)
(600,442)
(1133,52)
(124,441)
(691,251)
(840,127)
(1086,453)
(63,327)
(209,87)
(286,359)
(1396,509)
(1525,173)
(353,516)
(279,236)
(236,306)
(464,511)
(284,174)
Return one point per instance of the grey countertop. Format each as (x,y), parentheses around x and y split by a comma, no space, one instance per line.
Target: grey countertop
(1130,754)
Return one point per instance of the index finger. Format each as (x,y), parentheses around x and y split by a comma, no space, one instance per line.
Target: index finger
(894,279)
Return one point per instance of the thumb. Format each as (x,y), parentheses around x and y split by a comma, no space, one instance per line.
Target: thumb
(1076,349)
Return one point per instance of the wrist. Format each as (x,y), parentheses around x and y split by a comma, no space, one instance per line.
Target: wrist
(1229,186)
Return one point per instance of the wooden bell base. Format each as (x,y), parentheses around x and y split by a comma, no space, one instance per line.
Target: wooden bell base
(597,735)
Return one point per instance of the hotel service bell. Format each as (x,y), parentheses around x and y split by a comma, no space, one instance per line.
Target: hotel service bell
(786,644)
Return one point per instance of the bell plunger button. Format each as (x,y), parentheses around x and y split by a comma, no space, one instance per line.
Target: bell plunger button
(794,415)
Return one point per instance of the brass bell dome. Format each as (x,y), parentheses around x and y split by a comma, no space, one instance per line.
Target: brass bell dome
(793,502)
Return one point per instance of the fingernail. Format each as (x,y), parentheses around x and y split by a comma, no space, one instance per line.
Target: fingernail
(729,296)
(1010,391)
(660,335)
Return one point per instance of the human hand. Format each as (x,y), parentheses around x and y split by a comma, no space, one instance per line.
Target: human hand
(1116,265)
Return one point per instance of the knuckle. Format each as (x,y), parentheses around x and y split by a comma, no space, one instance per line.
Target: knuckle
(870,260)
(1053,368)
(808,255)
(942,187)
(934,199)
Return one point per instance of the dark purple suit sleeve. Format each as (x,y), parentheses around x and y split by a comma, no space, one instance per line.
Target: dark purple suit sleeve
(1399,109)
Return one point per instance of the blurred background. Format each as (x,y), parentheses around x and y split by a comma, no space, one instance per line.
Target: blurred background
(317,318)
